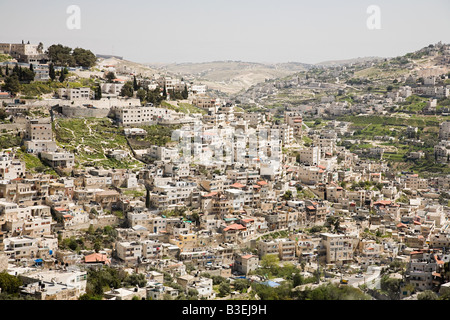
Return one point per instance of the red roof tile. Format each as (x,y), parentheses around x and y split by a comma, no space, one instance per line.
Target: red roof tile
(237,185)
(96,257)
(234,226)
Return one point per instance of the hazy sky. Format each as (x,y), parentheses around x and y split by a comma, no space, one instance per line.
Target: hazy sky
(246,30)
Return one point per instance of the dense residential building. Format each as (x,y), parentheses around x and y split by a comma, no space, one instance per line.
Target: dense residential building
(171,193)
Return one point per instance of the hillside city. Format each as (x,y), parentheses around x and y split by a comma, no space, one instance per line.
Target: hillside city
(126,181)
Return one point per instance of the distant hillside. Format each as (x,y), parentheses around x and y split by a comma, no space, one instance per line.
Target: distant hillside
(359,75)
(108,56)
(133,67)
(230,76)
(347,61)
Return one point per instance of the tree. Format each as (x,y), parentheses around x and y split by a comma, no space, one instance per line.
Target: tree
(141,94)
(333,222)
(270,261)
(103,279)
(427,295)
(241,285)
(12,84)
(164,93)
(91,230)
(196,218)
(445,296)
(224,289)
(26,75)
(62,76)
(98,93)
(135,279)
(51,72)
(135,84)
(330,292)
(391,286)
(192,294)
(16,70)
(110,76)
(127,90)
(154,96)
(297,280)
(316,229)
(84,58)
(9,284)
(61,55)
(287,195)
(40,47)
(185,93)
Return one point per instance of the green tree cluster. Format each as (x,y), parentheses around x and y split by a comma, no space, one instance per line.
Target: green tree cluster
(127,90)
(64,56)
(9,284)
(101,280)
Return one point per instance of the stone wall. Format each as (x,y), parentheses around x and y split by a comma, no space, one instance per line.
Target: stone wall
(83,112)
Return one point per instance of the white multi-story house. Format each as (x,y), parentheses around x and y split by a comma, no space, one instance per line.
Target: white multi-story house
(74,93)
(310,174)
(21,247)
(129,251)
(128,116)
(162,153)
(285,133)
(39,136)
(177,193)
(338,248)
(310,156)
(11,168)
(421,271)
(61,159)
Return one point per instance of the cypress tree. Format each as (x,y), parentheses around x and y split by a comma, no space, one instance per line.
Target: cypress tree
(164,92)
(98,94)
(135,85)
(20,73)
(51,72)
(185,93)
(62,77)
